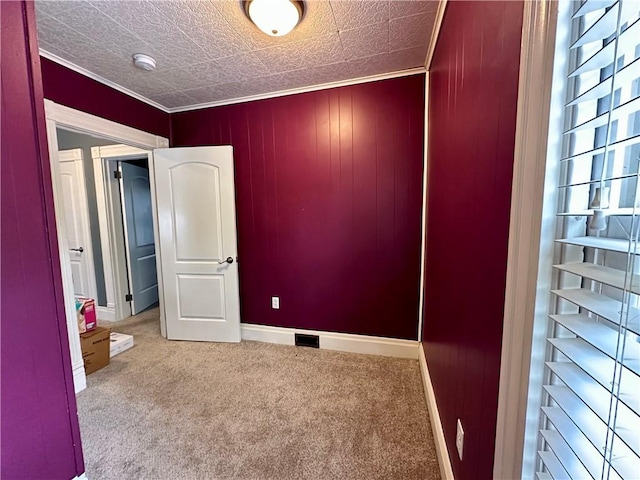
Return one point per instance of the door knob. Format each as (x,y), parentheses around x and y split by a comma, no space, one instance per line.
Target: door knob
(79,249)
(228,260)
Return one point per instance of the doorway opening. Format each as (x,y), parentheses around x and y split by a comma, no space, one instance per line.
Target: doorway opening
(106,205)
(125,217)
(109,135)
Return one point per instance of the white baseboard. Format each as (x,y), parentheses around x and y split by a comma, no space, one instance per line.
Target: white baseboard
(79,377)
(106,313)
(82,476)
(446,471)
(343,342)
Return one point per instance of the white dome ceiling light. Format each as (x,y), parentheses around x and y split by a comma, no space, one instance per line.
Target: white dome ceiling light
(274,17)
(144,62)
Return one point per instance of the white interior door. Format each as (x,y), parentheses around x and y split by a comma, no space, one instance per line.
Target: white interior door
(138,235)
(197,240)
(76,216)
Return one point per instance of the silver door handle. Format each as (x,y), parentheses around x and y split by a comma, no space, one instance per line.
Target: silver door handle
(228,260)
(79,249)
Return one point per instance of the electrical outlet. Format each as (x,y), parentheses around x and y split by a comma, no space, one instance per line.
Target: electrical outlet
(275,303)
(459,438)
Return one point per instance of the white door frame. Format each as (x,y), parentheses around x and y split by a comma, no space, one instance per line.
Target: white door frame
(112,241)
(73,333)
(67,118)
(532,133)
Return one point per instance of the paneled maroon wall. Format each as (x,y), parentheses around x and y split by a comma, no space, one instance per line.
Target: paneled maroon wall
(472,113)
(66,87)
(328,193)
(40,437)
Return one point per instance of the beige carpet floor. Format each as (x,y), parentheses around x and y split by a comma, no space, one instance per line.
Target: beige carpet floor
(255,411)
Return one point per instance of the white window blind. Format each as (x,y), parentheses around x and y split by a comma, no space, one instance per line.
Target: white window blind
(590,422)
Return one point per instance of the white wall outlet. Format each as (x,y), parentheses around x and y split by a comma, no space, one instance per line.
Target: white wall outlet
(459,438)
(275,303)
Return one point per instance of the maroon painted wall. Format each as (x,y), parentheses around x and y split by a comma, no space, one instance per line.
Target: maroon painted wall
(328,194)
(66,87)
(472,113)
(40,436)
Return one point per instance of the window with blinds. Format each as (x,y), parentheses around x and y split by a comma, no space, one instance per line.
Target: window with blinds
(590,420)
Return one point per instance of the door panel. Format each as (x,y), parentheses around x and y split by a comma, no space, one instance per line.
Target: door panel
(141,206)
(147,269)
(197,230)
(138,234)
(76,216)
(201,297)
(196,185)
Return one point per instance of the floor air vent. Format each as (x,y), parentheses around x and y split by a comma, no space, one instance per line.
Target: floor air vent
(307,340)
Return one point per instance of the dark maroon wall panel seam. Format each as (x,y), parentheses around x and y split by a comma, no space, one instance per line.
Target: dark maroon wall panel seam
(69,88)
(472,118)
(328,193)
(40,436)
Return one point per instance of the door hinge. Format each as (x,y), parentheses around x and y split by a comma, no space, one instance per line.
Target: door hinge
(117,174)
(128,297)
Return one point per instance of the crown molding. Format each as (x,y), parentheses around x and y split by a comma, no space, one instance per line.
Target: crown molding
(98,78)
(435,33)
(295,91)
(232,101)
(82,122)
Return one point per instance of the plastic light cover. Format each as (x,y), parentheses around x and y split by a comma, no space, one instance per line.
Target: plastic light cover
(274,17)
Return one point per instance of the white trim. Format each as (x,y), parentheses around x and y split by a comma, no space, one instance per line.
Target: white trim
(107,314)
(156,239)
(79,377)
(550,198)
(295,91)
(83,71)
(103,232)
(435,33)
(125,237)
(112,240)
(343,342)
(231,101)
(121,152)
(446,471)
(532,128)
(81,122)
(73,333)
(423,240)
(82,476)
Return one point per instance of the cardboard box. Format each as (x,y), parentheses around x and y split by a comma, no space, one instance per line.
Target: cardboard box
(86,312)
(119,343)
(95,349)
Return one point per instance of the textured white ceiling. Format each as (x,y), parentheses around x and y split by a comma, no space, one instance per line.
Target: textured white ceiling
(208,51)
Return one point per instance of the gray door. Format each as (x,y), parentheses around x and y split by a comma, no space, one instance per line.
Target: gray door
(138,234)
